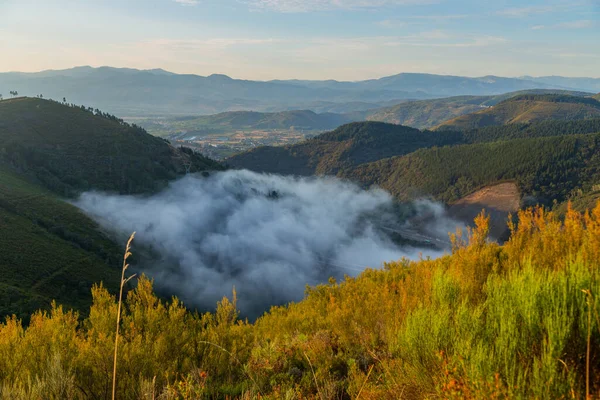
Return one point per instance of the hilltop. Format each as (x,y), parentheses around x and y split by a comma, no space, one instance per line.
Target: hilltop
(70,149)
(528,108)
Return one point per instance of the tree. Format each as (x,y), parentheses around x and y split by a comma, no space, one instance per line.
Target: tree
(64,99)
(0,97)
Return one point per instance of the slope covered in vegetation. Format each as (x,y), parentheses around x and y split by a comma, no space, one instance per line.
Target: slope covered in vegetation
(48,248)
(488,321)
(69,149)
(549,159)
(345,147)
(425,114)
(547,168)
(527,109)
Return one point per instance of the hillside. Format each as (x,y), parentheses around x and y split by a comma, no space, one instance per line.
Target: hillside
(69,149)
(360,142)
(527,109)
(343,148)
(49,250)
(424,114)
(546,168)
(130,92)
(499,201)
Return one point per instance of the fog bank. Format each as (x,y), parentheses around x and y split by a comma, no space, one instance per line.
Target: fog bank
(266,235)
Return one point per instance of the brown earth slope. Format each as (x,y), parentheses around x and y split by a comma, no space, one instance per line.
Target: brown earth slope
(498,201)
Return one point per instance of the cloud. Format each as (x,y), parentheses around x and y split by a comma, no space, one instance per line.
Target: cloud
(266,235)
(295,6)
(521,12)
(187,2)
(581,24)
(209,44)
(419,19)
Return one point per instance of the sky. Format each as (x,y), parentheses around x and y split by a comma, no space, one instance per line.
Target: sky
(305,39)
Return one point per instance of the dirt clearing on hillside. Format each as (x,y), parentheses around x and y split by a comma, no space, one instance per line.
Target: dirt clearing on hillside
(497,201)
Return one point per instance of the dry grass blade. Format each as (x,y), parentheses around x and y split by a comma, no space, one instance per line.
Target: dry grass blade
(123,282)
(314,376)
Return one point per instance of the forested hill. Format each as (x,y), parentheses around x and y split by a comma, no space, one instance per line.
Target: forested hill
(549,159)
(546,168)
(69,149)
(345,147)
(528,108)
(49,250)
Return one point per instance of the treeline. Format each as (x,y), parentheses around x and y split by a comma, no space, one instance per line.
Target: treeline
(488,321)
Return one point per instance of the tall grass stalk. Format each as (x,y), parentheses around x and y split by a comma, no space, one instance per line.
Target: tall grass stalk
(123,282)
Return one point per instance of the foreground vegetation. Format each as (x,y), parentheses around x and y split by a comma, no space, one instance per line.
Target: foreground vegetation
(514,321)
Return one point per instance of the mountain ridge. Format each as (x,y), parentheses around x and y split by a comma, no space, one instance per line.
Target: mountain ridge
(127,91)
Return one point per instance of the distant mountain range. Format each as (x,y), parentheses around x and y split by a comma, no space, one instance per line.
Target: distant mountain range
(131,92)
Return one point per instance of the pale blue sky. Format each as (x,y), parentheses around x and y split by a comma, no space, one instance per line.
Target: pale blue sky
(306,39)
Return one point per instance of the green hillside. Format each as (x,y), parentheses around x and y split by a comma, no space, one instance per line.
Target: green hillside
(343,148)
(548,168)
(361,142)
(48,248)
(527,109)
(69,149)
(424,114)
